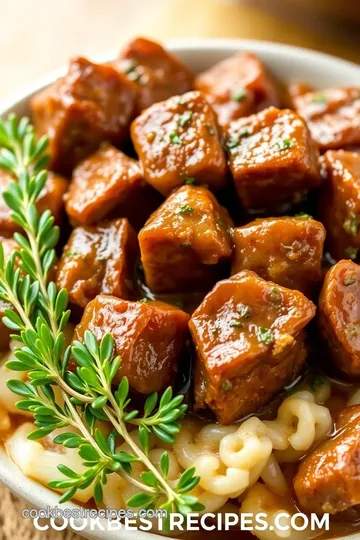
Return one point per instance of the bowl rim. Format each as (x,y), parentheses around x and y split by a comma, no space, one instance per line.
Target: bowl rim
(36,494)
(186,44)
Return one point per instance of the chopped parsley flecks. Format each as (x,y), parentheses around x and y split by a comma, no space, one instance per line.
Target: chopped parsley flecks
(226,385)
(144,300)
(265,335)
(284,144)
(243,311)
(275,296)
(352,329)
(351,253)
(303,215)
(219,221)
(236,324)
(174,138)
(239,95)
(230,144)
(185,118)
(71,253)
(349,280)
(351,224)
(185,209)
(320,99)
(190,181)
(244,133)
(134,76)
(317,383)
(130,66)
(183,100)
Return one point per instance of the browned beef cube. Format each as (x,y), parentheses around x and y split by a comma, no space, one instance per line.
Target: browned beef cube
(339,316)
(249,337)
(339,202)
(286,250)
(99,184)
(178,142)
(98,260)
(157,73)
(238,86)
(272,158)
(328,478)
(91,104)
(333,116)
(184,240)
(148,337)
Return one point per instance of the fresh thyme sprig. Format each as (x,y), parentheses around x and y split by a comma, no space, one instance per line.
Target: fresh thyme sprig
(38,318)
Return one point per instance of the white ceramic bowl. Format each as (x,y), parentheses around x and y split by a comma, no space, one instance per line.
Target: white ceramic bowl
(288,64)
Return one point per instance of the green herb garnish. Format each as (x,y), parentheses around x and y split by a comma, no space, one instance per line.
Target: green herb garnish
(226,385)
(351,224)
(236,324)
(353,329)
(244,133)
(190,181)
(38,319)
(317,383)
(275,296)
(144,300)
(320,99)
(185,118)
(130,66)
(284,144)
(71,253)
(185,209)
(265,335)
(240,94)
(230,144)
(174,138)
(303,215)
(183,100)
(243,310)
(351,253)
(349,280)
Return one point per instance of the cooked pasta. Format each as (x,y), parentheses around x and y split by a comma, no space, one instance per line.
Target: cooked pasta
(299,424)
(231,459)
(40,462)
(260,499)
(194,440)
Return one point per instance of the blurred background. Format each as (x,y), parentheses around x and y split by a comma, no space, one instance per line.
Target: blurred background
(38,36)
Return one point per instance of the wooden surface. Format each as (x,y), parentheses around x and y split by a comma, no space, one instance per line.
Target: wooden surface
(39,35)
